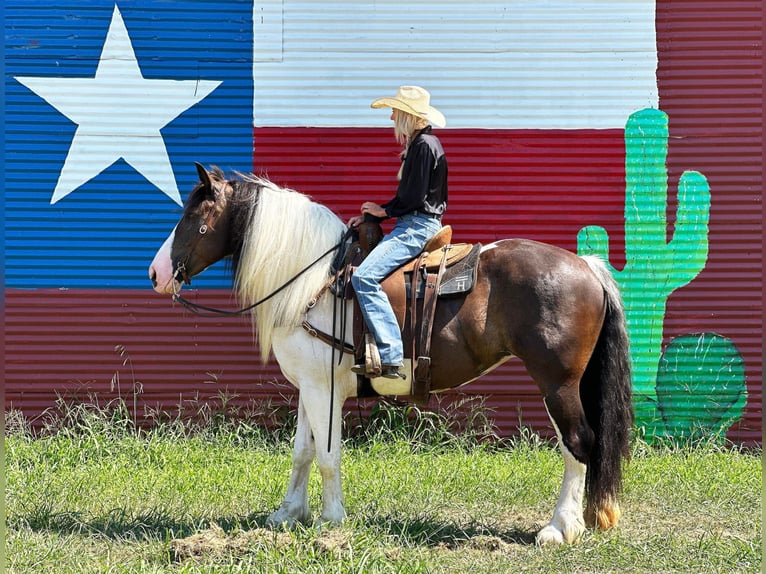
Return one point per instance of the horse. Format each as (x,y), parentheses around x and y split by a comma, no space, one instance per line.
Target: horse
(559,313)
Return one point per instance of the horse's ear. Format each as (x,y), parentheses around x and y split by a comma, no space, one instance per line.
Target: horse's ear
(204,176)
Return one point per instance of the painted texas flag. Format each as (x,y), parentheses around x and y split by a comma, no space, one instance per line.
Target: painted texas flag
(109,104)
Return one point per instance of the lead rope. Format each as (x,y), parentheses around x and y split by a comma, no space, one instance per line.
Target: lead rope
(332,376)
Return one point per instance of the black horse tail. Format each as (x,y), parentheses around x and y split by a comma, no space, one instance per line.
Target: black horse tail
(606,395)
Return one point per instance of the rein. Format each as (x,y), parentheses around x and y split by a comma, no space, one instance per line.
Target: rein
(205,311)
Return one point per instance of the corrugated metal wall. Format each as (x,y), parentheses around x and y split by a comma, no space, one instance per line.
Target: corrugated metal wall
(528,157)
(710,78)
(494,64)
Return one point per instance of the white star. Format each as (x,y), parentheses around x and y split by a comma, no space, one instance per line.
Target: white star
(119,115)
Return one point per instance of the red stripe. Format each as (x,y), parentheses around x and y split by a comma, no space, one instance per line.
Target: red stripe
(542,185)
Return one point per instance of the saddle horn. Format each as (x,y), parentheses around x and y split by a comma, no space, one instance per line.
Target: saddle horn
(370,234)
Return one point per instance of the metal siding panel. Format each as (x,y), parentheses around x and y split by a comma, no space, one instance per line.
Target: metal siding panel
(65,342)
(495,64)
(530,183)
(105,231)
(76,271)
(710,78)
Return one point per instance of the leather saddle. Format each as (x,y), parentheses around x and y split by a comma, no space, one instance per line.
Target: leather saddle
(441,270)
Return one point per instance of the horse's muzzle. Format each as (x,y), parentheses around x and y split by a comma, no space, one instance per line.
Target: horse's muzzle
(163,285)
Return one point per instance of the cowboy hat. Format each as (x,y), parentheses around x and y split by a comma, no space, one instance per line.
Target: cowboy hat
(413,100)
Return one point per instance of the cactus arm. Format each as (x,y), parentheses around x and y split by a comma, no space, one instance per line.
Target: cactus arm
(594,240)
(689,245)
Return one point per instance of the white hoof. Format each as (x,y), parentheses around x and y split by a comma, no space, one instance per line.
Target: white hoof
(549,535)
(560,531)
(282,517)
(330,519)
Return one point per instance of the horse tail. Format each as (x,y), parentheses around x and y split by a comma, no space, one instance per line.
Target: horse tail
(606,395)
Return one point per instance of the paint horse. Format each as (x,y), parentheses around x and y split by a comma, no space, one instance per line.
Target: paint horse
(560,314)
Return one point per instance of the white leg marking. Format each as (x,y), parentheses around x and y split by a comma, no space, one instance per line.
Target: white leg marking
(328,461)
(567,524)
(305,361)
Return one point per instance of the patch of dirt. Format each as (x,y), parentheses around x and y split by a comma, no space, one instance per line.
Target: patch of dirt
(486,543)
(333,542)
(216,542)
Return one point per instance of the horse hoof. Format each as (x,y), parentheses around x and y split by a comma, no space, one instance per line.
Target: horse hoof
(281,518)
(549,535)
(330,521)
(557,533)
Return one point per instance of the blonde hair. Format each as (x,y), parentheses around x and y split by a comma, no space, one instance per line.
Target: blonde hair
(405,126)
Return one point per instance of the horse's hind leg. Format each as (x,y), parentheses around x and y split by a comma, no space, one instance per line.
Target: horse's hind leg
(575,440)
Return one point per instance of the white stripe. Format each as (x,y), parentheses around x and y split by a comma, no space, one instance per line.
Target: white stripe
(521,64)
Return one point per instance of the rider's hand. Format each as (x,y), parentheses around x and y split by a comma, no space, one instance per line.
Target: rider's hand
(373,209)
(355,221)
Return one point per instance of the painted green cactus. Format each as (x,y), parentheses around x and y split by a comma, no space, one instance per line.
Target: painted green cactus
(655,266)
(701,387)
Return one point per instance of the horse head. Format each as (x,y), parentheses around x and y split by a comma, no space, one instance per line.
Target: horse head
(200,238)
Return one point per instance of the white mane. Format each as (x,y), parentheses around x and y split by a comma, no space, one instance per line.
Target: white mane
(288,231)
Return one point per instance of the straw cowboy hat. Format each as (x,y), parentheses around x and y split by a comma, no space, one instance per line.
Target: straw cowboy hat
(413,100)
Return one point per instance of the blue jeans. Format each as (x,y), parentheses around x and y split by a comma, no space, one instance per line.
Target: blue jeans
(405,241)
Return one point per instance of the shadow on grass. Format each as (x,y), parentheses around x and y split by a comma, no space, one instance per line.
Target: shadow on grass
(120,524)
(155,524)
(429,532)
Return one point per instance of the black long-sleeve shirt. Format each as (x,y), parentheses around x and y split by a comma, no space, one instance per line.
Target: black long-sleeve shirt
(423,186)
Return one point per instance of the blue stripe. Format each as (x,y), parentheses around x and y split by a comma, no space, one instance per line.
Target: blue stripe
(105,233)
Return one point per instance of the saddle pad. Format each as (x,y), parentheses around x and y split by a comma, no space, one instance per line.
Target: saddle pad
(457,279)
(434,259)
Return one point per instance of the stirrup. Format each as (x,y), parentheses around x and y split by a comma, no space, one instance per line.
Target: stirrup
(392,372)
(371,356)
(359,369)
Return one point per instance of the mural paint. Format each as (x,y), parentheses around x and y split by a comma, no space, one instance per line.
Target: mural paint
(697,386)
(68,262)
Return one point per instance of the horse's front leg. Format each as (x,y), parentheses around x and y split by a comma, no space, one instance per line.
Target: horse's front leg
(295,507)
(320,414)
(303,359)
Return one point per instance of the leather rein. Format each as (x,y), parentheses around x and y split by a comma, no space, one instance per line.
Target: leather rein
(205,311)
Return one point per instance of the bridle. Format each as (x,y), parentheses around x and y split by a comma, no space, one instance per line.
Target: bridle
(204,310)
(210,220)
(181,272)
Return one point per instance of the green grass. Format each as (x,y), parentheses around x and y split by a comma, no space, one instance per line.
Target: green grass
(99,496)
